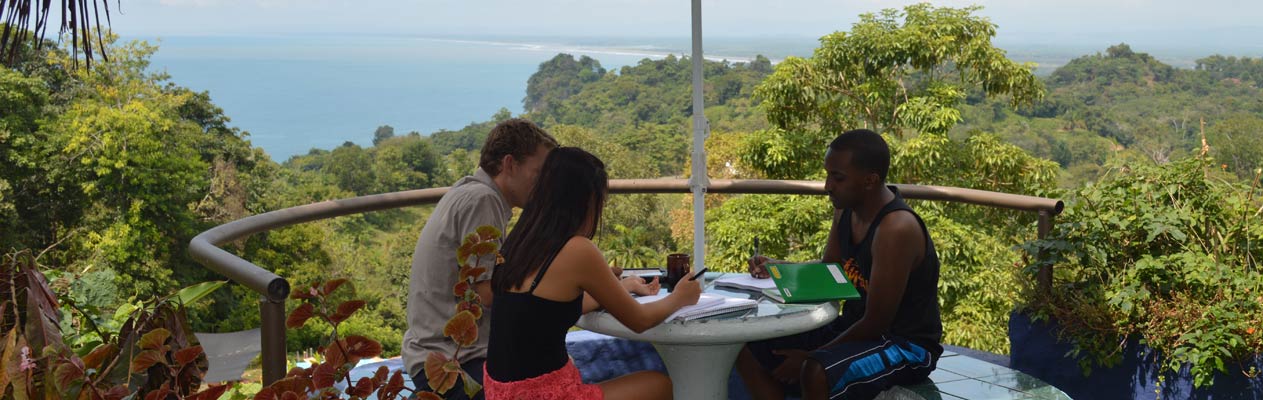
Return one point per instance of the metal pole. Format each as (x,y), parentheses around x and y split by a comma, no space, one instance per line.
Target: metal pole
(1045,270)
(272,331)
(699,181)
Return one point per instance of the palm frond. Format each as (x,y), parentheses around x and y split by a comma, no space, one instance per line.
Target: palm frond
(78,17)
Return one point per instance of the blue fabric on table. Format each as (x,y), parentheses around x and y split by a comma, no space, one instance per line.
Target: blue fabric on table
(602,357)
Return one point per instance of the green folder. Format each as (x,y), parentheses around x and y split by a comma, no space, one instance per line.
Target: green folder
(810,282)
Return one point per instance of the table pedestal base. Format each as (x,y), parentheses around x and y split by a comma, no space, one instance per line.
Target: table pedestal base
(699,371)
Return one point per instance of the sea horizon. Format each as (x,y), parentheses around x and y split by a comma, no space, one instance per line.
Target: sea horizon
(294,93)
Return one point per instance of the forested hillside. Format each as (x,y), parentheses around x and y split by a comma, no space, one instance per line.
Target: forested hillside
(110,172)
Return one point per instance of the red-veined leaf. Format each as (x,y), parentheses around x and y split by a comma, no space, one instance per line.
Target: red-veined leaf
(394,386)
(308,293)
(300,371)
(146,359)
(460,288)
(484,248)
(463,252)
(436,373)
(295,384)
(362,388)
(345,310)
(463,328)
(488,232)
(350,307)
(117,392)
(42,329)
(379,377)
(265,394)
(153,340)
(428,396)
(324,375)
(472,273)
(434,360)
(332,285)
(336,354)
(452,366)
(363,347)
(97,357)
(472,239)
(473,308)
(66,374)
(160,394)
(9,359)
(213,392)
(300,315)
(187,355)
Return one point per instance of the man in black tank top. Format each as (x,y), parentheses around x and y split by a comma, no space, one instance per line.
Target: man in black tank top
(891,335)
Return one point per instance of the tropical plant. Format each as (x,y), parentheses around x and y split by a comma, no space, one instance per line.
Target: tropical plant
(1166,254)
(76,18)
(441,370)
(325,302)
(153,355)
(341,354)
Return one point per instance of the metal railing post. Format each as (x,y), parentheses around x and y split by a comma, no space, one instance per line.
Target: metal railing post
(1045,270)
(272,331)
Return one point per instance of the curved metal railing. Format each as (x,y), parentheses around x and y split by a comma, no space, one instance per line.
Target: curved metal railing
(205,249)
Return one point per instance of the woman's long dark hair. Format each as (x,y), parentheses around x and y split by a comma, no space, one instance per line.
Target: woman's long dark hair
(571,183)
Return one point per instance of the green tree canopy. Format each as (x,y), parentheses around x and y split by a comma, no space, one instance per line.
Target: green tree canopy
(896,71)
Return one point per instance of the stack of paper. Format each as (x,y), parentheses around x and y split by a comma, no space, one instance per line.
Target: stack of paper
(774,295)
(745,282)
(707,305)
(642,272)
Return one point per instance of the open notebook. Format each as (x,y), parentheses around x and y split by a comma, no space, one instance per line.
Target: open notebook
(707,305)
(744,281)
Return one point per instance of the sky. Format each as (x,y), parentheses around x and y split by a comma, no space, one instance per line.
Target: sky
(1205,22)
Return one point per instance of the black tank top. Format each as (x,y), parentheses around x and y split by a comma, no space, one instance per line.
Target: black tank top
(528,333)
(917,318)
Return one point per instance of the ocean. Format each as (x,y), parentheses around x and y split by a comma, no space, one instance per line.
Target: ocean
(296,93)
(293,93)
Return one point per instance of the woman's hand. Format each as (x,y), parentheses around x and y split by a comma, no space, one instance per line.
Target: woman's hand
(687,291)
(637,286)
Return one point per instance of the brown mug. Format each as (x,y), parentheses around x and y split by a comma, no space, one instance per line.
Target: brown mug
(677,267)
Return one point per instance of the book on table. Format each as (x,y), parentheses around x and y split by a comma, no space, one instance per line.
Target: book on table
(743,281)
(648,274)
(707,305)
(809,282)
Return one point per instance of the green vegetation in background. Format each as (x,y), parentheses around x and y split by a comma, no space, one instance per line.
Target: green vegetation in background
(903,73)
(1167,254)
(116,170)
(1122,102)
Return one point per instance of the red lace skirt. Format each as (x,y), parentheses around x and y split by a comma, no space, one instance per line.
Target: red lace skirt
(562,384)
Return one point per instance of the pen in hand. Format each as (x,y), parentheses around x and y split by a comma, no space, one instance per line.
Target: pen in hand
(698,274)
(758,271)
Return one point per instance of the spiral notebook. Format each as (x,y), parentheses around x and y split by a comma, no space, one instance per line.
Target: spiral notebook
(707,305)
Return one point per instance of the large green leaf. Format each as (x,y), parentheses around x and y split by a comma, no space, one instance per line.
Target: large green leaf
(196,292)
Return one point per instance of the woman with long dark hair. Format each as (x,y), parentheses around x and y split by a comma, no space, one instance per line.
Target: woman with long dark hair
(550,267)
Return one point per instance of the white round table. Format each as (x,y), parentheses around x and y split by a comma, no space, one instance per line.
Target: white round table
(699,354)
